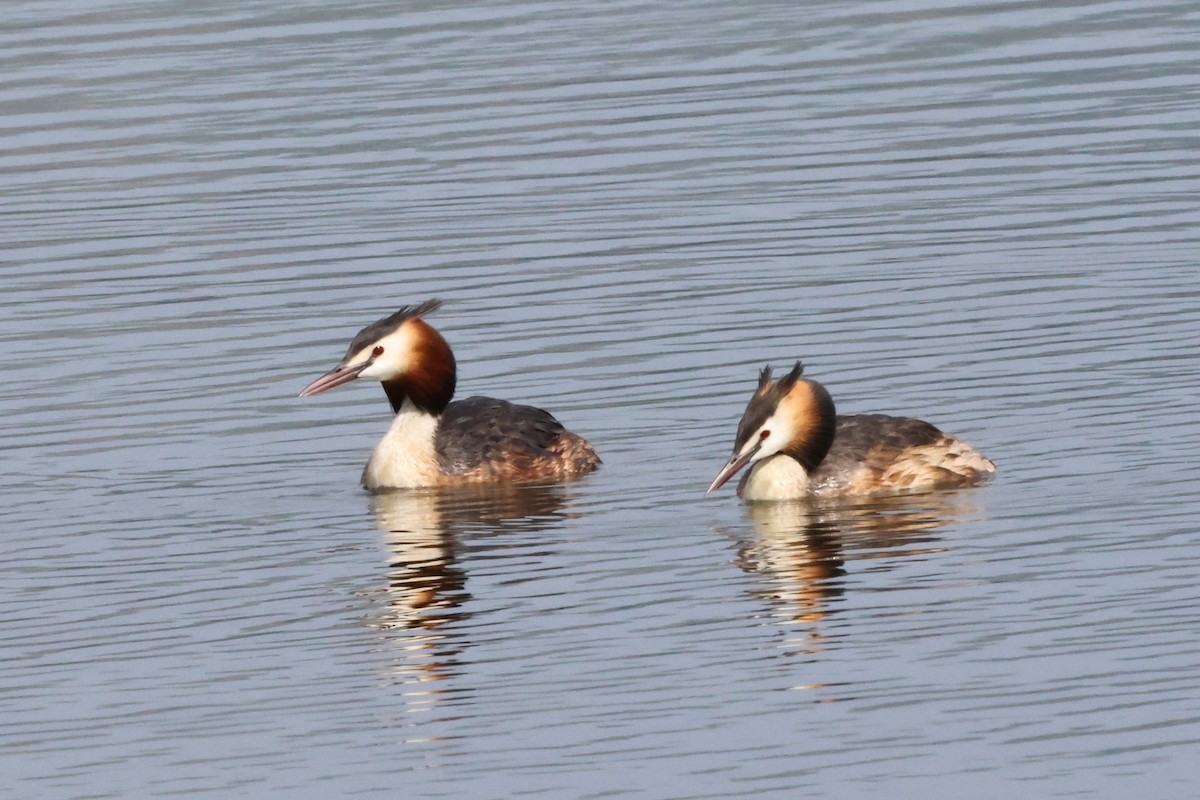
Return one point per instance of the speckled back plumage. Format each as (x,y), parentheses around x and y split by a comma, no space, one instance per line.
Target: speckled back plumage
(485,439)
(875,453)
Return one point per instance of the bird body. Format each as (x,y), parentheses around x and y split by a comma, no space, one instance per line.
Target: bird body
(797,446)
(433,441)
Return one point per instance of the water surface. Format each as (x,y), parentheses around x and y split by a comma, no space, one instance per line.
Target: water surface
(984,215)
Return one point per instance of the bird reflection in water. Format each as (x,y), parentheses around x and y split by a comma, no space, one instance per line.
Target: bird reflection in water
(425,532)
(802,549)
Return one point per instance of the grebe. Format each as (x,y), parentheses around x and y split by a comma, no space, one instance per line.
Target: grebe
(434,442)
(800,447)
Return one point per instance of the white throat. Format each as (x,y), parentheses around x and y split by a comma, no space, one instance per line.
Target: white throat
(776,477)
(405,457)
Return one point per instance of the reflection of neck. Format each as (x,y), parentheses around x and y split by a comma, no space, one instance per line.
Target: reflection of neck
(406,456)
(421,550)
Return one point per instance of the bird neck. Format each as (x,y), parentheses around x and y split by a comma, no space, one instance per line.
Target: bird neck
(430,381)
(406,456)
(816,427)
(777,477)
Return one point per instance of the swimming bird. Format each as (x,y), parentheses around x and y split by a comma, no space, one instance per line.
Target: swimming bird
(798,446)
(436,442)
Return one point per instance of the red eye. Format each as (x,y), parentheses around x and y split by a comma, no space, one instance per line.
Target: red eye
(764,435)
(377,352)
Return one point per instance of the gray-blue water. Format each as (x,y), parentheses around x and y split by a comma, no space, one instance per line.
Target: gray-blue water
(984,215)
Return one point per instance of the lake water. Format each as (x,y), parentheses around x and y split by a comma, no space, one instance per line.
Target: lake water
(983,214)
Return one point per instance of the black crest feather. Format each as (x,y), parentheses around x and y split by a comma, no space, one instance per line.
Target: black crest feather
(377,330)
(765,401)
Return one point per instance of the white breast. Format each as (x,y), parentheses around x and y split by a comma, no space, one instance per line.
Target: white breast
(777,477)
(405,457)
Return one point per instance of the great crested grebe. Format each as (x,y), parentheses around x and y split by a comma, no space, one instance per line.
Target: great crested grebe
(434,442)
(800,447)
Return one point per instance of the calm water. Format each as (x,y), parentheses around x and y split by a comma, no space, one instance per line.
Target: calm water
(985,215)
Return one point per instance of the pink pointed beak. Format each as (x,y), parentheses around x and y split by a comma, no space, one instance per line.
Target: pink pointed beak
(733,467)
(335,377)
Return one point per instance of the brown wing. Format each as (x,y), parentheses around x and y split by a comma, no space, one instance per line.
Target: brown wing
(480,430)
(483,438)
(875,452)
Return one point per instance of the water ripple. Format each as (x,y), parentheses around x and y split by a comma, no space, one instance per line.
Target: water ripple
(982,215)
